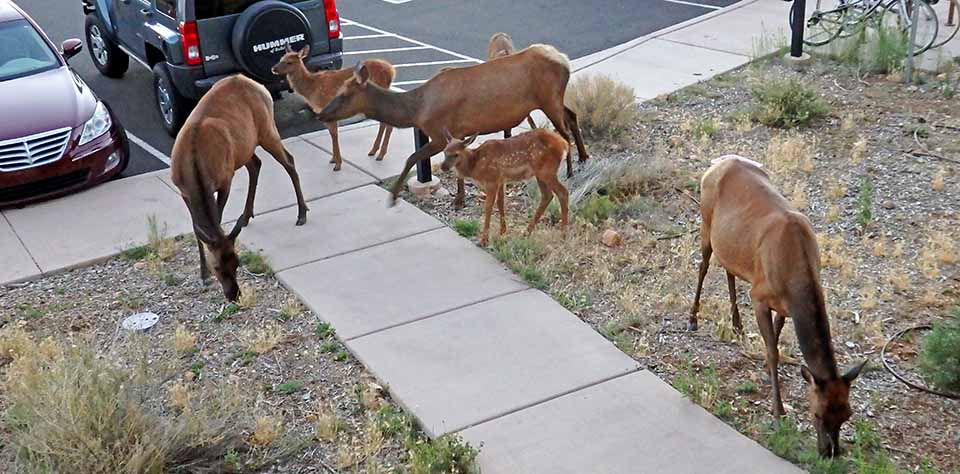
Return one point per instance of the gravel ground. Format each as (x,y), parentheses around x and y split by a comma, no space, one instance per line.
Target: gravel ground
(898,270)
(85,307)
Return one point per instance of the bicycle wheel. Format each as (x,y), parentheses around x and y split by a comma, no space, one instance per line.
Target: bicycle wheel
(946,35)
(896,17)
(825,22)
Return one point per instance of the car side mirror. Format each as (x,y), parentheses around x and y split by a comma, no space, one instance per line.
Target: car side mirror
(71,47)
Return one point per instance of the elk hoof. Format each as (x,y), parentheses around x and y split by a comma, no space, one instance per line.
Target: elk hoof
(336,167)
(379,158)
(332,160)
(692,326)
(392,201)
(205,281)
(483,241)
(458,203)
(301,220)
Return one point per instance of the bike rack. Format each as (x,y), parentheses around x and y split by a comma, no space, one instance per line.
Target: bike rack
(424,172)
(796,41)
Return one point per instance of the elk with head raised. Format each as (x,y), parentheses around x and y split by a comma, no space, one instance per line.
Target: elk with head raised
(500,45)
(758,237)
(319,87)
(483,98)
(535,154)
(218,138)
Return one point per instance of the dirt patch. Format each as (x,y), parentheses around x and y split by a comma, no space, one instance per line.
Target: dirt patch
(879,176)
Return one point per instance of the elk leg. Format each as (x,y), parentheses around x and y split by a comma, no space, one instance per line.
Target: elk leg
(732,286)
(459,202)
(487,210)
(222,196)
(564,197)
(507,133)
(433,147)
(500,207)
(706,251)
(765,323)
(376,142)
(778,325)
(253,169)
(571,119)
(556,118)
(546,195)
(280,153)
(204,270)
(335,138)
(388,129)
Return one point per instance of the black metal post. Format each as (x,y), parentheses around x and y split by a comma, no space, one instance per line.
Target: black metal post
(420,140)
(797,13)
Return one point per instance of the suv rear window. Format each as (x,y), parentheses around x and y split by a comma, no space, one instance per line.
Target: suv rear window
(214,8)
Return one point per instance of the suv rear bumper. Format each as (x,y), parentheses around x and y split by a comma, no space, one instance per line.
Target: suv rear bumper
(192,83)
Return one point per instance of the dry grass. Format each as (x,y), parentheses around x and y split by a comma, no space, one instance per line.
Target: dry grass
(248,297)
(266,430)
(263,339)
(326,422)
(791,153)
(606,109)
(859,151)
(184,341)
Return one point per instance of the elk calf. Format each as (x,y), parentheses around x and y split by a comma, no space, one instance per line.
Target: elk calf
(501,44)
(319,87)
(218,138)
(758,237)
(497,162)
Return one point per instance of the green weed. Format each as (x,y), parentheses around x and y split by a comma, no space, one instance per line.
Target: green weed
(940,354)
(865,203)
(467,227)
(289,388)
(255,263)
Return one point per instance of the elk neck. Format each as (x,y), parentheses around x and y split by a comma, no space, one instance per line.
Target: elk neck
(398,109)
(808,311)
(300,81)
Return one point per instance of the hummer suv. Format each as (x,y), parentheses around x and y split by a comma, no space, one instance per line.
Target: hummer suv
(191,44)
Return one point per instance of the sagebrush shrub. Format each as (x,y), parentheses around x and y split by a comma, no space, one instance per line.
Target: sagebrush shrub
(786,103)
(940,356)
(606,109)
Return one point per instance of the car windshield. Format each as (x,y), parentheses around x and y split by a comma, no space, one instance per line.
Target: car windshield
(23,51)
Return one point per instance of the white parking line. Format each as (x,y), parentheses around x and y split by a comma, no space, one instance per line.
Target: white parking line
(432,63)
(411,40)
(701,5)
(377,35)
(407,83)
(385,50)
(148,148)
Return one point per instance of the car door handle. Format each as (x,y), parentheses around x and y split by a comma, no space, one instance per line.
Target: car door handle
(145,12)
(125,2)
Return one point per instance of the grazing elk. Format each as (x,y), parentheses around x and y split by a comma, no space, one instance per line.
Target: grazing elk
(497,162)
(758,237)
(483,98)
(218,138)
(501,44)
(319,87)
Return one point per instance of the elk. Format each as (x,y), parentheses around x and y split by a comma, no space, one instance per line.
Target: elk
(497,162)
(760,238)
(218,138)
(483,98)
(501,44)
(319,87)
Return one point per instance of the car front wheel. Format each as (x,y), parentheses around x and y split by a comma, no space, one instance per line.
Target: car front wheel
(173,107)
(109,59)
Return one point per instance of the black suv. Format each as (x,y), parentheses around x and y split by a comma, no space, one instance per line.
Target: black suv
(191,44)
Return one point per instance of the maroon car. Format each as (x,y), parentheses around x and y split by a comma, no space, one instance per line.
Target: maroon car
(56,136)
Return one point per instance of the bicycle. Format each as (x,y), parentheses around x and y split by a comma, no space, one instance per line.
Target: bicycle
(831,19)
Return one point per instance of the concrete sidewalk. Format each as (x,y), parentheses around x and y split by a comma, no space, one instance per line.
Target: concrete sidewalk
(463,345)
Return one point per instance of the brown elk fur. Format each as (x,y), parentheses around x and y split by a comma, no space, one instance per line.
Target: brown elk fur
(758,237)
(497,162)
(484,98)
(218,138)
(501,44)
(319,87)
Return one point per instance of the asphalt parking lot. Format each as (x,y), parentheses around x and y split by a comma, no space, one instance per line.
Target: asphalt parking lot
(419,37)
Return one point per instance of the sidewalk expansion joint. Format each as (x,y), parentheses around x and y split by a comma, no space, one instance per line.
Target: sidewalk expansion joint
(707,48)
(314,199)
(23,244)
(439,313)
(550,399)
(440,225)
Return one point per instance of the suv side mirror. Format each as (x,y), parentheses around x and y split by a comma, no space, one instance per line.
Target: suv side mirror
(70,48)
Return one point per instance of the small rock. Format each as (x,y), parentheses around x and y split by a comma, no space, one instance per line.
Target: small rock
(942,76)
(850,344)
(888,204)
(442,192)
(140,265)
(189,376)
(611,238)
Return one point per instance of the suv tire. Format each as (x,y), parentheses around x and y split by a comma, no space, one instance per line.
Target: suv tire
(108,58)
(174,108)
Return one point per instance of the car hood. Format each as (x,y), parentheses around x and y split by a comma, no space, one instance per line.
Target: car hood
(46,101)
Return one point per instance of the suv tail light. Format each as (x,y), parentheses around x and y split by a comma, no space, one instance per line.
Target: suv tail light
(333,18)
(190,40)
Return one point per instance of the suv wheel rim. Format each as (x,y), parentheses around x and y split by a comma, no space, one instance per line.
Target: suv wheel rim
(164,100)
(98,45)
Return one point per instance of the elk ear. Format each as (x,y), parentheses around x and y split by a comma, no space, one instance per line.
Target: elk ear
(854,371)
(288,49)
(361,74)
(447,135)
(234,232)
(808,376)
(470,140)
(303,52)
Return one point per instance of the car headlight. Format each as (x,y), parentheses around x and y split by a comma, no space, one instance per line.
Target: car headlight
(96,125)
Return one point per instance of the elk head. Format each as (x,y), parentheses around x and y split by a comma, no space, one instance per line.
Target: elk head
(224,263)
(455,150)
(350,99)
(830,407)
(291,61)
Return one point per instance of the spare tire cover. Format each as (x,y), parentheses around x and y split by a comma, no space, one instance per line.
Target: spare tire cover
(262,33)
